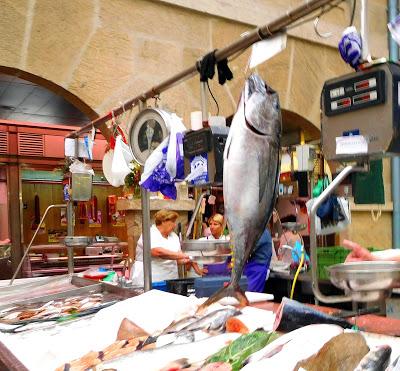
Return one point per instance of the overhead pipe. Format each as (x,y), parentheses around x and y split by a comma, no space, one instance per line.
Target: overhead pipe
(260,33)
(393,10)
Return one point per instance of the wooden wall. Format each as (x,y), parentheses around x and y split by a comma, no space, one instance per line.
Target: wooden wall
(51,193)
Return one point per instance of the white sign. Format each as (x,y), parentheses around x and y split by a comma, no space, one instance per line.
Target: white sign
(85,147)
(266,49)
(351,145)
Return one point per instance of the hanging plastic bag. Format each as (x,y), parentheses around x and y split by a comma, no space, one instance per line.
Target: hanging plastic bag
(78,167)
(335,214)
(166,163)
(175,159)
(121,160)
(394,28)
(320,186)
(350,47)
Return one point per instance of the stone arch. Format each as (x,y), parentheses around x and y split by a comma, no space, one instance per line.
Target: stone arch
(53,87)
(293,123)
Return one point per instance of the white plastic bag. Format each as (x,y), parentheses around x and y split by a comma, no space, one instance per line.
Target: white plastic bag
(394,28)
(121,159)
(81,168)
(175,146)
(333,228)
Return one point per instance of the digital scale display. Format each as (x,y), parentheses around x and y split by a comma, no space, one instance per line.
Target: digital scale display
(355,93)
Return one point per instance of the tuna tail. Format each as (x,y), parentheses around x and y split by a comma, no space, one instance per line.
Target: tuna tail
(229,290)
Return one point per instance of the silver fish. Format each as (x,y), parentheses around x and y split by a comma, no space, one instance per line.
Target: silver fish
(251,176)
(213,321)
(376,359)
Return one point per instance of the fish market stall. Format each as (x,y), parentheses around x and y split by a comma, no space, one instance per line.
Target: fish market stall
(98,327)
(135,334)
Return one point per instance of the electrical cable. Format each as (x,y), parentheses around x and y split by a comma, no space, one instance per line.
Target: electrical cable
(297,272)
(208,86)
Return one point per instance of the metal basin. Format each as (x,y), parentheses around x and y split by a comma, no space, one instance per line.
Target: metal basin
(366,281)
(207,251)
(294,227)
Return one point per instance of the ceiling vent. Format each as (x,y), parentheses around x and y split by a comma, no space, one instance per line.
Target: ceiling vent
(30,144)
(3,143)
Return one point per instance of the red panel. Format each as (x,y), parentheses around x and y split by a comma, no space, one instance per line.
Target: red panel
(54,146)
(99,149)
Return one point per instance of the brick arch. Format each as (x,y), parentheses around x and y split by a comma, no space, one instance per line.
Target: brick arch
(53,87)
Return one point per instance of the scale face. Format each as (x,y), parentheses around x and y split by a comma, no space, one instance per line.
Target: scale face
(147,131)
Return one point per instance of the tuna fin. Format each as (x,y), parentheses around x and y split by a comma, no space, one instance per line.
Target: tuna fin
(232,291)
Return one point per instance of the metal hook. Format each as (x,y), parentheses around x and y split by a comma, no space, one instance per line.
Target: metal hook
(123,106)
(156,100)
(323,35)
(114,123)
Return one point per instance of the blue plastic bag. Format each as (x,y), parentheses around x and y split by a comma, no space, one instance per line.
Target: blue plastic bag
(350,47)
(166,164)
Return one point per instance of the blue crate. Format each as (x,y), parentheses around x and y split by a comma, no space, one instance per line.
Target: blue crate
(160,285)
(206,286)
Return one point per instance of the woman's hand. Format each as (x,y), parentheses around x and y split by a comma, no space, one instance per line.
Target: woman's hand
(198,270)
(358,253)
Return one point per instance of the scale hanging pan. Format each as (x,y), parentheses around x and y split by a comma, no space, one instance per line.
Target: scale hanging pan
(148,130)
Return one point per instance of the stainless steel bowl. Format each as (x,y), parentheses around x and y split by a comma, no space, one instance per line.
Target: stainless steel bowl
(221,246)
(207,251)
(366,281)
(294,227)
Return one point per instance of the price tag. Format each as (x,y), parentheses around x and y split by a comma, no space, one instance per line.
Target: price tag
(351,145)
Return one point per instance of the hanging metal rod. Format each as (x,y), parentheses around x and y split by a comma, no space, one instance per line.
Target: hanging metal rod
(260,33)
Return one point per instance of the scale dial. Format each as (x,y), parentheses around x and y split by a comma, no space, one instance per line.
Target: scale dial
(147,131)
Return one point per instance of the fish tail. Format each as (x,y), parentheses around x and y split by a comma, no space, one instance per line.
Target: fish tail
(229,290)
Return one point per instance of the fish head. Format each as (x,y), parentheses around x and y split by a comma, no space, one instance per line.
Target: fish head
(262,108)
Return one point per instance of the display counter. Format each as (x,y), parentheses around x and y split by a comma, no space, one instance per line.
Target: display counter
(70,341)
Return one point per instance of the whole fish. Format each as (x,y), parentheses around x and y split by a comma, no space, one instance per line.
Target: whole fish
(292,315)
(251,175)
(376,359)
(213,321)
